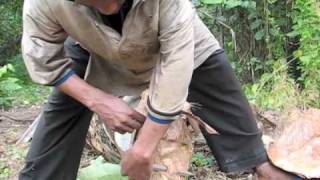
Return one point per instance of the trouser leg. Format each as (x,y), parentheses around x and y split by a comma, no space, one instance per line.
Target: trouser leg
(224,107)
(59,139)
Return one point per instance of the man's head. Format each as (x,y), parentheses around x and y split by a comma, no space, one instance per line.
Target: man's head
(106,7)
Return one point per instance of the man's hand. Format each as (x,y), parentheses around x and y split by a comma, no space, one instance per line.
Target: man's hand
(136,165)
(116,114)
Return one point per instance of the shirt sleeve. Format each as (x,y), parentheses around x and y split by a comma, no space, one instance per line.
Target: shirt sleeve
(172,74)
(42,44)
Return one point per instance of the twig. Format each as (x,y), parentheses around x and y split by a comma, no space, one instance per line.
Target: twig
(28,134)
(233,34)
(14,118)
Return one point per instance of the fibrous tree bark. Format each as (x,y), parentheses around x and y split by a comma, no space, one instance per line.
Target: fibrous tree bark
(173,154)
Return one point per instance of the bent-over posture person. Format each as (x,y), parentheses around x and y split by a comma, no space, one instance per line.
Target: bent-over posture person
(121,47)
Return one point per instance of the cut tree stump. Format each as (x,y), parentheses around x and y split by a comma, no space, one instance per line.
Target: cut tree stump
(295,148)
(296,145)
(173,154)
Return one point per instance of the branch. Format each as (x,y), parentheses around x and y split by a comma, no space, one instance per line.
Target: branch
(233,34)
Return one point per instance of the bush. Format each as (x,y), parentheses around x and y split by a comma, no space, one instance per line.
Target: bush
(275,91)
(10,28)
(307,28)
(8,84)
(16,88)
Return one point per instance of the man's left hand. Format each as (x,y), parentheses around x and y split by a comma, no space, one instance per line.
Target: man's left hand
(137,162)
(136,165)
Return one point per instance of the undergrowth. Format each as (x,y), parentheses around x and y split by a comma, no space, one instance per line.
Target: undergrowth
(275,90)
(16,88)
(274,47)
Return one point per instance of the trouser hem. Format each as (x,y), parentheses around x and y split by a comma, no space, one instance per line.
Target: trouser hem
(245,164)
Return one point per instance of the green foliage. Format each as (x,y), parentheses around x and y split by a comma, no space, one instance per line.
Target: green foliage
(10,19)
(200,160)
(229,4)
(101,170)
(10,28)
(8,84)
(275,90)
(307,27)
(268,35)
(16,88)
(260,28)
(15,153)
(5,171)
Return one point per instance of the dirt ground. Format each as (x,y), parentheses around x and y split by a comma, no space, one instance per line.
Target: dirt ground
(15,121)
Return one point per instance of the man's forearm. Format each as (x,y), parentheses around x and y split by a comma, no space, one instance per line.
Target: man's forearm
(151,132)
(80,90)
(149,137)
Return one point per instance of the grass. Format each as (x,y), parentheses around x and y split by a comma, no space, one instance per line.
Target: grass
(16,154)
(199,160)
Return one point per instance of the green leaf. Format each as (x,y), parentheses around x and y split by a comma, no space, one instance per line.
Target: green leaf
(293,34)
(298,53)
(249,4)
(212,1)
(259,35)
(254,88)
(233,3)
(230,4)
(253,15)
(274,32)
(255,24)
(10,67)
(272,1)
(6,69)
(101,170)
(9,85)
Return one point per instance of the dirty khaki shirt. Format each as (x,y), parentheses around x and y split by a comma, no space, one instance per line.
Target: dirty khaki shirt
(162,42)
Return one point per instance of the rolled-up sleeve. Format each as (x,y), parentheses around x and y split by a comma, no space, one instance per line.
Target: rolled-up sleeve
(172,75)
(42,44)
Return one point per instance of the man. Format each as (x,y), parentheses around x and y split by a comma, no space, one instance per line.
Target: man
(121,48)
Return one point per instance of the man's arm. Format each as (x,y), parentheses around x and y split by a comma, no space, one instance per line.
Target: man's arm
(172,75)
(117,115)
(171,78)
(43,53)
(169,84)
(42,44)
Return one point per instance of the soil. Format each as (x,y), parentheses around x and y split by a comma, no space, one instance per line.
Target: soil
(15,121)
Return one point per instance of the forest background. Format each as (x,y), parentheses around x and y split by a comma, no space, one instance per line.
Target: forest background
(272,44)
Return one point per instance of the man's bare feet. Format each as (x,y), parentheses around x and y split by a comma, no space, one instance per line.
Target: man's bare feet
(267,171)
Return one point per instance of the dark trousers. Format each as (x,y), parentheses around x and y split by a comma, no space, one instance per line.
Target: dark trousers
(59,139)
(224,107)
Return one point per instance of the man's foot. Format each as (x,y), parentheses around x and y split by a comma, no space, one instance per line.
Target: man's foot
(267,171)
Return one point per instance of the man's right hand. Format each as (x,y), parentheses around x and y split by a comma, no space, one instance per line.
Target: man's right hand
(115,113)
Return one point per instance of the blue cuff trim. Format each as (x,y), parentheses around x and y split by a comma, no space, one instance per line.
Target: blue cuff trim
(160,121)
(65,77)
(297,178)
